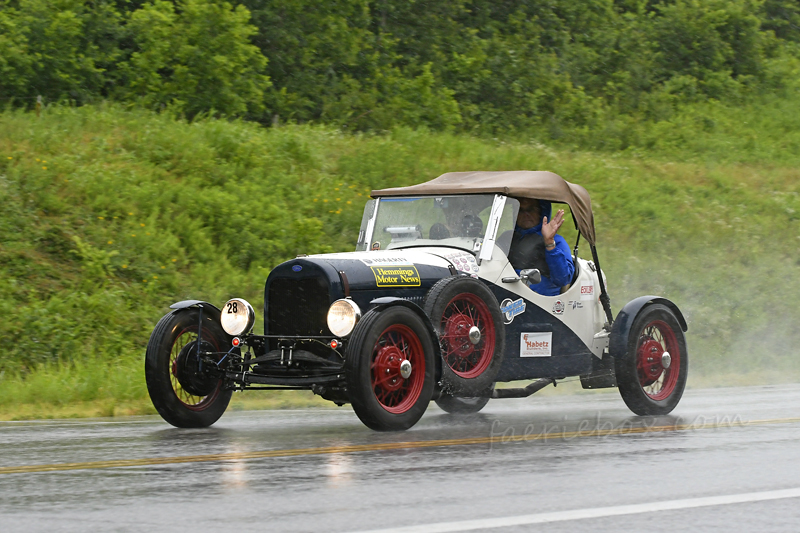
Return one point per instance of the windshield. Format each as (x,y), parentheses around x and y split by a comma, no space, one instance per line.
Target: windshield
(457,221)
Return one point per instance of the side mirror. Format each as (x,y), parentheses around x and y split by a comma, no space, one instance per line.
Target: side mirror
(530,276)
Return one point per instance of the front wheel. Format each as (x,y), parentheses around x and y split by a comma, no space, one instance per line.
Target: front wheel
(652,374)
(389,369)
(181,392)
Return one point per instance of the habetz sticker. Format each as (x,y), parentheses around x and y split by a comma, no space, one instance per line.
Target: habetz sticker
(537,344)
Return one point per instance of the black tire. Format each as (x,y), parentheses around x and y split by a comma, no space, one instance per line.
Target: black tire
(645,384)
(173,343)
(460,406)
(381,397)
(454,305)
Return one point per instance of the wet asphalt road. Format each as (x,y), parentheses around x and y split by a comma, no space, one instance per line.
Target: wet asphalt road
(576,463)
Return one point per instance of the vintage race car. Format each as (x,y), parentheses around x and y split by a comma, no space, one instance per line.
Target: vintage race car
(428,307)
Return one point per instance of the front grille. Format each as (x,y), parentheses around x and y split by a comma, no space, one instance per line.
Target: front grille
(298,306)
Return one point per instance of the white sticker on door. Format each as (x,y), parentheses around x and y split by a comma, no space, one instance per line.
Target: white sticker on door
(587,292)
(536,344)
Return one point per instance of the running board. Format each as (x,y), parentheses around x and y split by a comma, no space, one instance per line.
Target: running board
(534,387)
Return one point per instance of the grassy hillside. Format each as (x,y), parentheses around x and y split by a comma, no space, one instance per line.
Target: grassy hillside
(110,215)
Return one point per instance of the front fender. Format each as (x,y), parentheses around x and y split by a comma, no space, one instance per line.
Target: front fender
(386,301)
(184,304)
(618,342)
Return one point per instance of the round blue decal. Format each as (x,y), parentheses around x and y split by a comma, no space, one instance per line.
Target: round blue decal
(297,268)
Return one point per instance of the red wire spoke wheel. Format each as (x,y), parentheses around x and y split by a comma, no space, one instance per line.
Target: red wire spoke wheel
(183,394)
(466,358)
(389,368)
(658,360)
(467,318)
(398,343)
(652,374)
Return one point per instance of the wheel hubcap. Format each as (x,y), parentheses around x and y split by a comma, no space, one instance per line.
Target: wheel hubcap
(474,335)
(405,369)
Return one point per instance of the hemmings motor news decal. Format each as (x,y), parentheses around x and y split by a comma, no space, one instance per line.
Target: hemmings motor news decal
(536,344)
(396,276)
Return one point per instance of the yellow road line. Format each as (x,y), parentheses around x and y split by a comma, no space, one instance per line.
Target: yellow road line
(499,439)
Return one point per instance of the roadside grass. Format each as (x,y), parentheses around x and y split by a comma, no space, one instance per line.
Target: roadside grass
(95,388)
(112,407)
(68,389)
(110,215)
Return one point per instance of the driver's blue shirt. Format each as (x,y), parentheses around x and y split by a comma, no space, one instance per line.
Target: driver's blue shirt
(559,261)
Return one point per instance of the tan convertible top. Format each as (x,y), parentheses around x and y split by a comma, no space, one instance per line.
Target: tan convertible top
(519,183)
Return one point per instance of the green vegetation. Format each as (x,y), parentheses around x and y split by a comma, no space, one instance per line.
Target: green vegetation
(110,215)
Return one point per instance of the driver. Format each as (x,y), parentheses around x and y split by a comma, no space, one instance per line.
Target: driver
(536,244)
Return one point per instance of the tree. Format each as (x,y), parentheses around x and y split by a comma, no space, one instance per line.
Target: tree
(57,49)
(194,56)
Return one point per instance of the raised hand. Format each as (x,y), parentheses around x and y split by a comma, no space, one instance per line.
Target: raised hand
(549,229)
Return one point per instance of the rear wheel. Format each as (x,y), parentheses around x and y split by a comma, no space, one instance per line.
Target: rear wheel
(389,368)
(467,318)
(181,392)
(652,374)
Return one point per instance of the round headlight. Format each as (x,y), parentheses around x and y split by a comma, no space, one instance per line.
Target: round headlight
(237,317)
(342,317)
